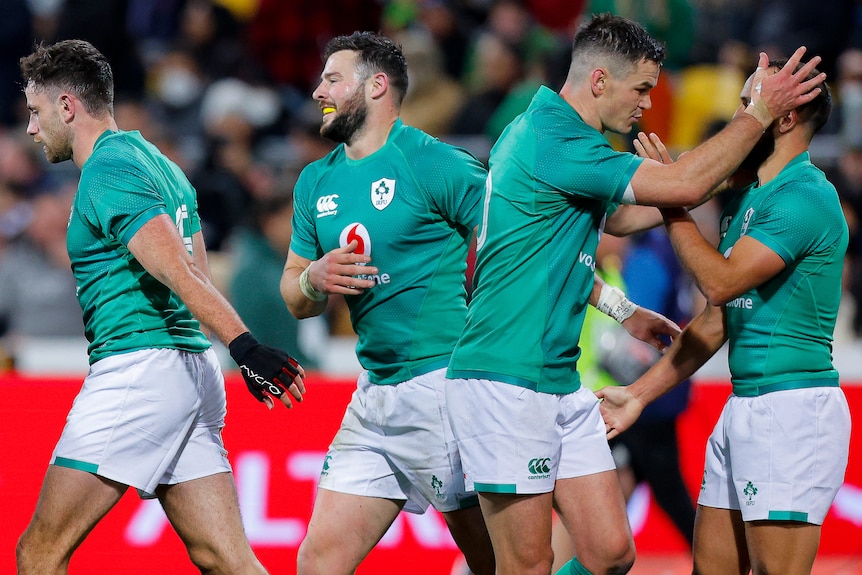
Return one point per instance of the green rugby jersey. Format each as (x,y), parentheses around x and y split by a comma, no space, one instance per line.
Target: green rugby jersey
(412,205)
(125,183)
(780,333)
(553,179)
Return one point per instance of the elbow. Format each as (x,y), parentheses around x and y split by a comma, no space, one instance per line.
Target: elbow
(717,295)
(300,313)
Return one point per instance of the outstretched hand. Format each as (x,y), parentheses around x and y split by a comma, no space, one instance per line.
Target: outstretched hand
(620,409)
(776,92)
(652,328)
(268,372)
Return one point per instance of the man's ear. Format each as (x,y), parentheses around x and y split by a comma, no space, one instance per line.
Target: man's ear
(67,105)
(787,122)
(597,80)
(379,85)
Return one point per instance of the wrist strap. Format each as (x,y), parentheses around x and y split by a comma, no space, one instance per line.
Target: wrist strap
(613,302)
(307,289)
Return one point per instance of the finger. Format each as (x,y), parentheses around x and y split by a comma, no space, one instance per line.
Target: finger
(299,382)
(268,401)
(794,60)
(286,388)
(763,60)
(612,432)
(806,68)
(663,154)
(813,83)
(296,392)
(657,343)
(285,400)
(351,269)
(639,149)
(349,248)
(648,146)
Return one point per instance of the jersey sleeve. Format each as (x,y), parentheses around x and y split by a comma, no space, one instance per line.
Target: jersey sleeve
(460,178)
(303,241)
(585,165)
(120,198)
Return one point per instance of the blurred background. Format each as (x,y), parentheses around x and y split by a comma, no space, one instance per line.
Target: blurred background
(224,88)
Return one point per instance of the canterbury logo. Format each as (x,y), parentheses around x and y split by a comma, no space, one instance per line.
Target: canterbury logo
(539,465)
(327,206)
(261,381)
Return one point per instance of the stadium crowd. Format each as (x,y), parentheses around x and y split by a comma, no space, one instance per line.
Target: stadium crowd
(223,87)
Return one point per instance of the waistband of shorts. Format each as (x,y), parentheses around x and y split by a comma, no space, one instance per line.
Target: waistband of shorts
(407,373)
(786,385)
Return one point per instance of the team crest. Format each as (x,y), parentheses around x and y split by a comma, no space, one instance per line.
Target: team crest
(382,192)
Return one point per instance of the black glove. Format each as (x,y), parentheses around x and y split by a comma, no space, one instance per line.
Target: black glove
(264,368)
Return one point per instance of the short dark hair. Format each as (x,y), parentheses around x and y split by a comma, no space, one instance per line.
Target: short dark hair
(376,53)
(619,38)
(75,66)
(816,112)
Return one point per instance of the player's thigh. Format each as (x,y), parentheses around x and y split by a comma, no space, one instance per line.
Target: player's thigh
(70,503)
(520,528)
(470,534)
(205,514)
(593,510)
(787,547)
(719,542)
(347,526)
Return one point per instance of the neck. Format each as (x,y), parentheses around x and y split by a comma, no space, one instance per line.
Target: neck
(582,101)
(372,136)
(86,134)
(786,148)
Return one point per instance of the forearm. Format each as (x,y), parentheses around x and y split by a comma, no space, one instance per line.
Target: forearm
(699,258)
(299,304)
(206,303)
(698,342)
(632,219)
(690,180)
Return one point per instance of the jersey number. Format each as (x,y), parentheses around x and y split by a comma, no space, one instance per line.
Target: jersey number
(180,219)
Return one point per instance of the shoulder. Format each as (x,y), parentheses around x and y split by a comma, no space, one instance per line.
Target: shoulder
(423,151)
(315,170)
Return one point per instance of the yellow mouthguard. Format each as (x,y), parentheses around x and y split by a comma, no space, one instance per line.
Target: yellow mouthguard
(328,110)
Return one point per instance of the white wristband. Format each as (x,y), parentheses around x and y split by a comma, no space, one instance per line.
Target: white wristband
(307,289)
(613,302)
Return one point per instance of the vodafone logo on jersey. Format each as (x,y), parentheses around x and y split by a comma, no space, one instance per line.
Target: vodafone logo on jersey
(359,233)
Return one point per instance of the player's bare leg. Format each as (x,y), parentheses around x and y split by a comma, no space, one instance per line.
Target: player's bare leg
(468,530)
(342,531)
(520,528)
(70,504)
(593,510)
(719,542)
(205,514)
(787,547)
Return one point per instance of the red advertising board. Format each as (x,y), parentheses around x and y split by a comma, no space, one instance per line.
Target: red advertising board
(277,457)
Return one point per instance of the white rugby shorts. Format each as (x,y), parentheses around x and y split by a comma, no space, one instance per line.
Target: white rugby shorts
(395,442)
(778,456)
(147,418)
(515,440)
